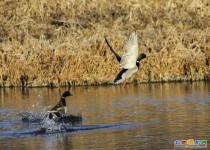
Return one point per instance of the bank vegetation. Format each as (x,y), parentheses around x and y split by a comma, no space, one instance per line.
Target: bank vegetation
(61,43)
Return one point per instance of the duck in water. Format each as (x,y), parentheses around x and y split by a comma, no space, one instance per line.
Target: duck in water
(59,111)
(130,60)
(60,108)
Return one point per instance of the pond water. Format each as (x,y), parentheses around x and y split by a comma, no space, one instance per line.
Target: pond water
(142,116)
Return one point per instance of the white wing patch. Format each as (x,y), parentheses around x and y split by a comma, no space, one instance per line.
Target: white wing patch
(129,58)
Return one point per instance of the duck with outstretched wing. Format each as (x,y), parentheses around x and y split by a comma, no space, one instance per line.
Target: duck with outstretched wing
(130,60)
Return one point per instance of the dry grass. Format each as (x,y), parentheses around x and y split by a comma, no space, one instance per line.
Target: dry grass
(51,43)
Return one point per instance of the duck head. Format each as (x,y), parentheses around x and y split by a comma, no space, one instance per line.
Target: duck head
(141,56)
(66,94)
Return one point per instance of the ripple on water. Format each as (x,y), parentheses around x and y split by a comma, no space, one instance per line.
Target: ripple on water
(133,116)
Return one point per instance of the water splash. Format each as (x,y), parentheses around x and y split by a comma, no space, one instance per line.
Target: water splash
(50,126)
(30,117)
(36,125)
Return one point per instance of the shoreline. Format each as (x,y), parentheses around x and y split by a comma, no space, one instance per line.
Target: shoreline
(105,84)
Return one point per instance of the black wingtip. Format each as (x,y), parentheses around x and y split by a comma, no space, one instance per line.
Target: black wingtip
(106,40)
(67,93)
(112,50)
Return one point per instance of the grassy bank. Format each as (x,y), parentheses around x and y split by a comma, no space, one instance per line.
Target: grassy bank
(51,43)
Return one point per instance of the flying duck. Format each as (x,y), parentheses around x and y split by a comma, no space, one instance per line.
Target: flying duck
(130,59)
(60,108)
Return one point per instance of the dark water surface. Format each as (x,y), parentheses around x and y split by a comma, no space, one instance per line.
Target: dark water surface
(144,116)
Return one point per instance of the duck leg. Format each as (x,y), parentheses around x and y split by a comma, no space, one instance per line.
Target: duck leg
(125,82)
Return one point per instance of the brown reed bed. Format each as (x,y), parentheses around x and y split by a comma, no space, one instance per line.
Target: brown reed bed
(59,43)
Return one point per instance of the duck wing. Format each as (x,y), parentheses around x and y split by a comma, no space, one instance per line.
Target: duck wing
(129,58)
(119,78)
(112,50)
(57,107)
(57,110)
